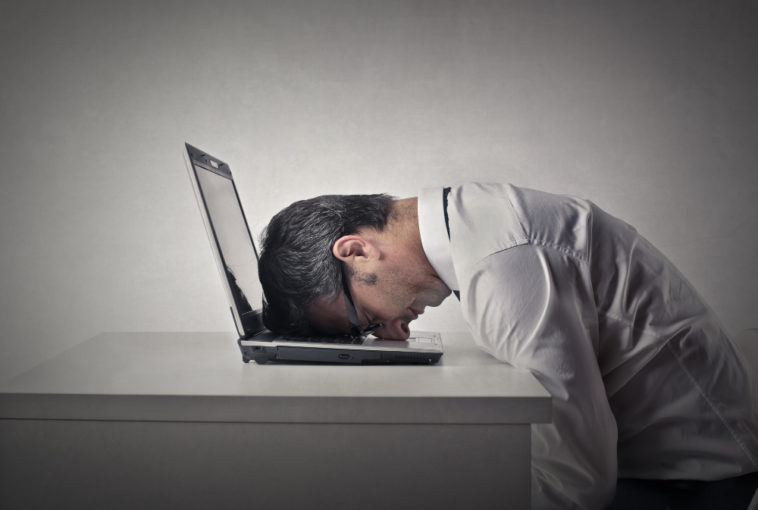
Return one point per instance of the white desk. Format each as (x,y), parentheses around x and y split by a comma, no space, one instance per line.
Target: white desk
(176,420)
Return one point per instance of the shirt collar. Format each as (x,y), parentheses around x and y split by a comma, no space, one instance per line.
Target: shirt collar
(431,224)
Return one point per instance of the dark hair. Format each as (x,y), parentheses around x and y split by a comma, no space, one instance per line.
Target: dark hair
(296,262)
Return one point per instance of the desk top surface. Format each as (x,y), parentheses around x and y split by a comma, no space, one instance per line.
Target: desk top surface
(200,377)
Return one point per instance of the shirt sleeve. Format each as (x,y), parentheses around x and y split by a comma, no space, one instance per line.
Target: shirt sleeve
(533,308)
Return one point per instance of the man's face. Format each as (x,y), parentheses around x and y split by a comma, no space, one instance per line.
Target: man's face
(393,296)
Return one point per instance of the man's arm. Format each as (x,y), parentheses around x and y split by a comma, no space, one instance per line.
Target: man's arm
(533,307)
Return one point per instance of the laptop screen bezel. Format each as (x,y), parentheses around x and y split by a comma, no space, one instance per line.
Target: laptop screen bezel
(248,322)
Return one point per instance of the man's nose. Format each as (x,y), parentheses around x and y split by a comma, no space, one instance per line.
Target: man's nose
(396,329)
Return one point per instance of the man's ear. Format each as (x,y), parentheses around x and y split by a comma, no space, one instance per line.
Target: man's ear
(348,248)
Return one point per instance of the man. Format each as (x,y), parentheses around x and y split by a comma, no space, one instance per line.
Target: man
(645,384)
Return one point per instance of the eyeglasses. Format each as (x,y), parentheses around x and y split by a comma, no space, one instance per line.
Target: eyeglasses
(357,333)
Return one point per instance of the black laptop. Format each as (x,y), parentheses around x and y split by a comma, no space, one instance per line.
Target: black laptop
(234,250)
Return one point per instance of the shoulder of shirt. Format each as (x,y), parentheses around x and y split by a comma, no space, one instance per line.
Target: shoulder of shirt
(497,216)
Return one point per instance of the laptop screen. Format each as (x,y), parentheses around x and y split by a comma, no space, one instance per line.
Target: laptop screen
(226,224)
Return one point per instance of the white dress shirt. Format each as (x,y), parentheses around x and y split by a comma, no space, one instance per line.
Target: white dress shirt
(645,383)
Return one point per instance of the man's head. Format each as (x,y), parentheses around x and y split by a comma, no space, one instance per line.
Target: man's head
(368,244)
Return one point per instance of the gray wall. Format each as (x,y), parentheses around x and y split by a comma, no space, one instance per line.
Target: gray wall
(648,108)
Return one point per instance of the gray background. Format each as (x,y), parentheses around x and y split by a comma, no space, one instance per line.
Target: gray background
(647,108)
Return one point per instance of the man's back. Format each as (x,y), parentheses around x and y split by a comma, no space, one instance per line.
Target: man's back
(676,384)
(632,356)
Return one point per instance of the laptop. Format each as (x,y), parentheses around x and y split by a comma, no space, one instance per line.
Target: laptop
(237,259)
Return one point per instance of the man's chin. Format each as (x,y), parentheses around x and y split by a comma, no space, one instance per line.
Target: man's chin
(437,301)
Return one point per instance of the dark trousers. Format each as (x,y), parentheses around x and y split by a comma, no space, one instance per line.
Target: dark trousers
(729,494)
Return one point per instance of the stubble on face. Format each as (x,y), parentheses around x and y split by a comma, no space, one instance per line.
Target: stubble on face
(364,278)
(404,296)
